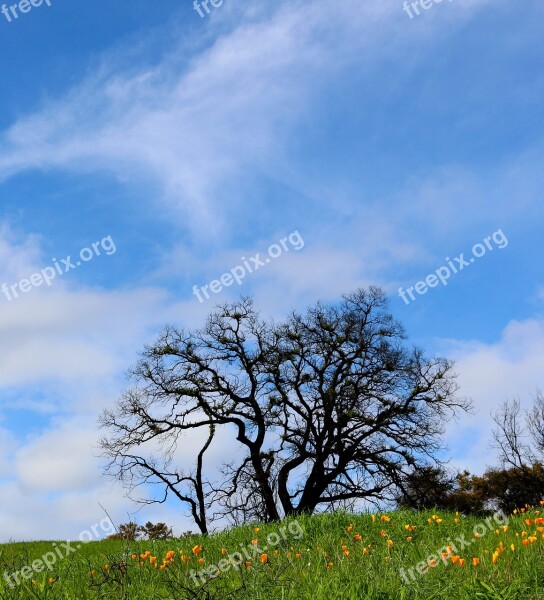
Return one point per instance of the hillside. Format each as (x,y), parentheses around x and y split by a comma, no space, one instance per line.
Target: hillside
(404,555)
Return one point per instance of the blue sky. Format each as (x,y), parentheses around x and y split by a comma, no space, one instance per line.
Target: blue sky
(388,143)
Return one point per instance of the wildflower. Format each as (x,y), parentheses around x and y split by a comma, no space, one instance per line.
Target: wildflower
(495,557)
(134,557)
(170,555)
(373,518)
(390,543)
(264,558)
(357,537)
(512,547)
(462,562)
(528,522)
(200,561)
(248,564)
(223,551)
(475,561)
(254,542)
(256,530)
(152,560)
(385,518)
(350,527)
(330,565)
(454,559)
(297,555)
(409,538)
(197,550)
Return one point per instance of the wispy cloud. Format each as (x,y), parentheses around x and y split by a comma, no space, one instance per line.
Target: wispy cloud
(200,128)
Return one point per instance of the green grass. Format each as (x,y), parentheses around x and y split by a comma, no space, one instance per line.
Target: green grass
(314,566)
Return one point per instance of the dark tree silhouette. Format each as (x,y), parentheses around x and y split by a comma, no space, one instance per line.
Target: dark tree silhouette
(427,487)
(330,407)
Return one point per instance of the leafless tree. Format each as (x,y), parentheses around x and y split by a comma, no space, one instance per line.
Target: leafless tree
(356,409)
(329,408)
(519,435)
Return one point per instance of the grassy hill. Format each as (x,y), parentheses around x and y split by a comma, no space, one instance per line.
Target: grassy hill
(405,555)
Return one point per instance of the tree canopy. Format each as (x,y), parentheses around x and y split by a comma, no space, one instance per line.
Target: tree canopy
(330,407)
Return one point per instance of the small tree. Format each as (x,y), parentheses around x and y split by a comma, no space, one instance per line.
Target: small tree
(158,531)
(126,531)
(427,487)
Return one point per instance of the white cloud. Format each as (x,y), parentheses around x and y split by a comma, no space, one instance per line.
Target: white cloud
(512,367)
(60,460)
(65,336)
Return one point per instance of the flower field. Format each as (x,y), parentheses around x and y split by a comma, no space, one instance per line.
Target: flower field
(404,555)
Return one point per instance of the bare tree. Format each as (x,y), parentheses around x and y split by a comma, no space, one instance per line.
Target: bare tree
(329,408)
(356,408)
(519,435)
(535,423)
